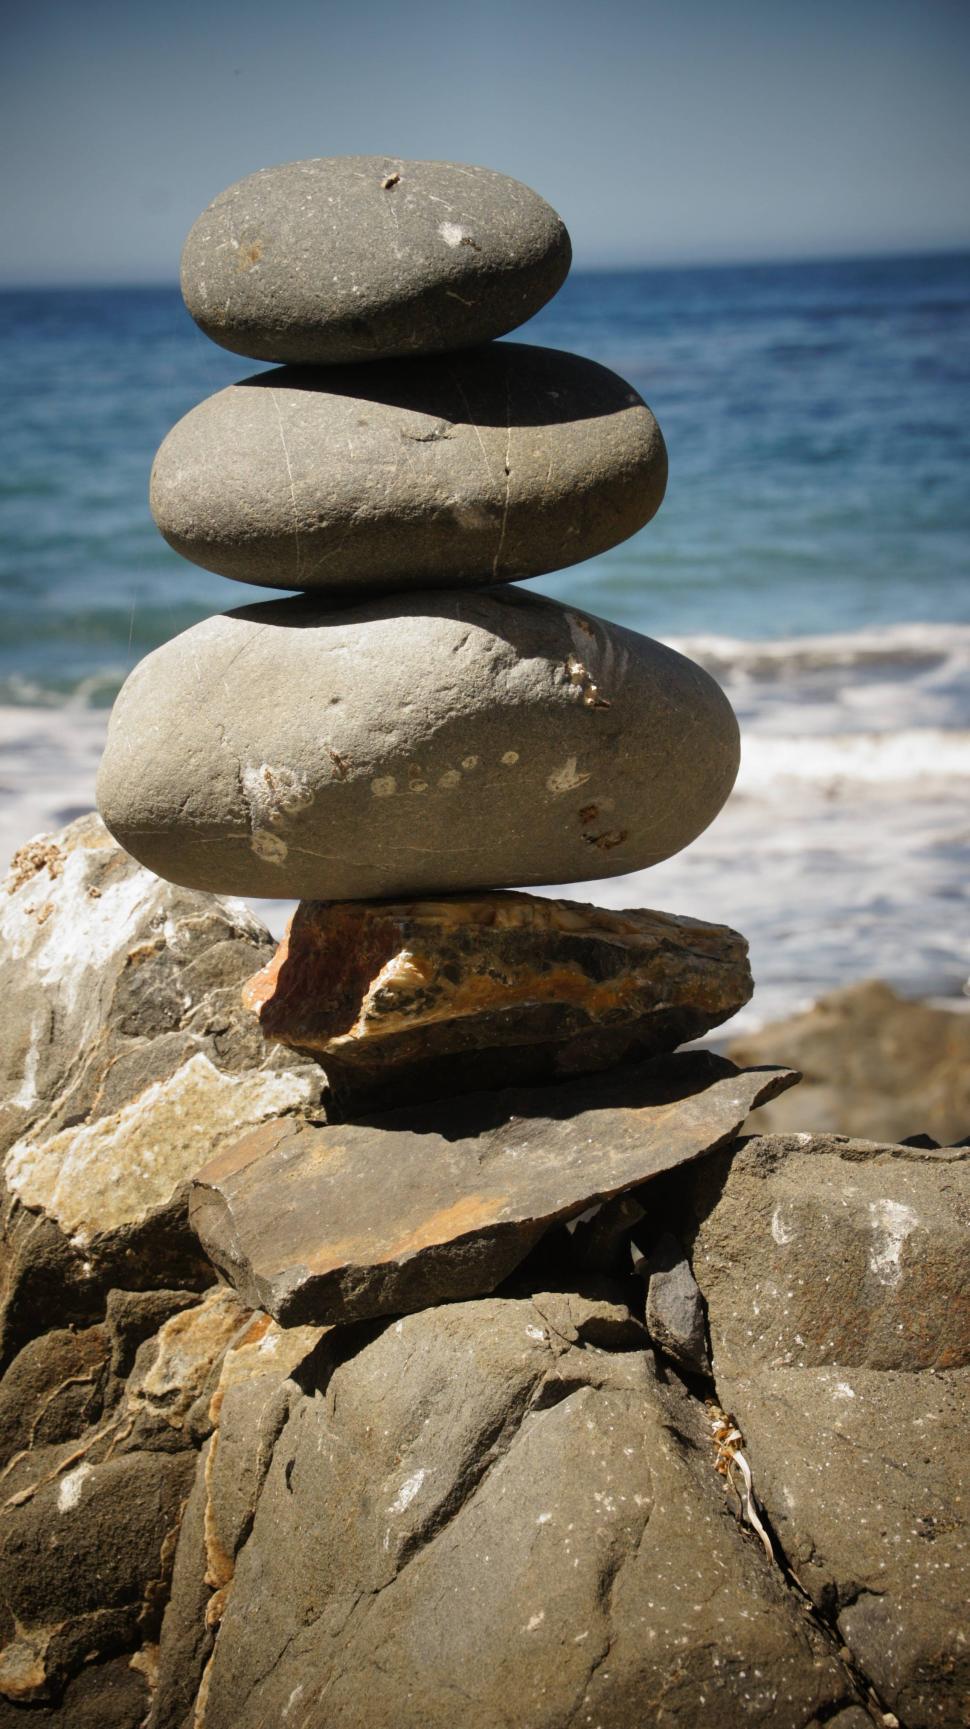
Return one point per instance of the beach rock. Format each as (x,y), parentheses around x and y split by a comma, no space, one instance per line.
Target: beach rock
(466,1189)
(500,463)
(90,1519)
(410,746)
(675,1308)
(126,1057)
(491,1512)
(252,1399)
(819,1249)
(352,258)
(875,1065)
(442,996)
(834,1273)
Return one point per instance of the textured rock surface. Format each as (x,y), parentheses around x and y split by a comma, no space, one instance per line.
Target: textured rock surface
(675,1308)
(412,746)
(465,1189)
(522,1527)
(126,1059)
(835,1278)
(90,1513)
(874,1065)
(504,462)
(352,257)
(449,995)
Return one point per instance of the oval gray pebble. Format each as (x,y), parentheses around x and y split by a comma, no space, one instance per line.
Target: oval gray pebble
(501,463)
(349,258)
(412,746)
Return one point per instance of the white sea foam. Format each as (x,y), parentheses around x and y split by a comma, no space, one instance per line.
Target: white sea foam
(838,761)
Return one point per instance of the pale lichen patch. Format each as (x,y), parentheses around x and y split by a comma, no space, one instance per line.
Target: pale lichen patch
(95,1177)
(70,1487)
(566,778)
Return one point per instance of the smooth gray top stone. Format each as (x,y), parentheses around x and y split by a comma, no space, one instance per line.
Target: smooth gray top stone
(413,745)
(350,258)
(483,467)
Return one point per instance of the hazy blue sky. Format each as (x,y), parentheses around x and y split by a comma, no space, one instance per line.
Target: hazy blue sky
(683,130)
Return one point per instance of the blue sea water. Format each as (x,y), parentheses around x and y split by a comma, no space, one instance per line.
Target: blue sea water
(816,416)
(813,550)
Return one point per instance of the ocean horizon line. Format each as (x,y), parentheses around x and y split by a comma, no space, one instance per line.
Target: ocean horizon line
(660,266)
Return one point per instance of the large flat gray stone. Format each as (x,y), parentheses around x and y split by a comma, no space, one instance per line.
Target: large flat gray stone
(498,463)
(415,1207)
(350,258)
(410,746)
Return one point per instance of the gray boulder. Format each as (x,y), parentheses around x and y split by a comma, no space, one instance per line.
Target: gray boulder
(352,258)
(834,1273)
(874,1064)
(492,1513)
(499,463)
(412,746)
(675,1308)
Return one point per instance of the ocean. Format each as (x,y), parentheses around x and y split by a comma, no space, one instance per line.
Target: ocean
(813,552)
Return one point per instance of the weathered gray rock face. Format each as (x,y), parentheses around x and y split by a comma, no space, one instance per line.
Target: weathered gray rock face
(466,1188)
(91,1508)
(675,1309)
(834,1273)
(524,1527)
(430,997)
(352,258)
(412,746)
(500,463)
(126,1058)
(874,1064)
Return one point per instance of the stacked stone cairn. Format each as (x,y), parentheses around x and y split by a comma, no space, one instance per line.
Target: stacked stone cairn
(396,1330)
(413,735)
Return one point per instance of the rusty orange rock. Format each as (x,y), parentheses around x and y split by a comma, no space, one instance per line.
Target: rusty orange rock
(424,997)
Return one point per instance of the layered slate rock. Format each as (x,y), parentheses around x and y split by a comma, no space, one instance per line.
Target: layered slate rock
(875,1065)
(90,1513)
(834,1273)
(127,1058)
(493,1512)
(466,1189)
(499,463)
(413,745)
(441,996)
(352,258)
(249,1405)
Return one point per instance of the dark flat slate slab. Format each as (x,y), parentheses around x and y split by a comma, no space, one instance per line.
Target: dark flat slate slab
(421,1206)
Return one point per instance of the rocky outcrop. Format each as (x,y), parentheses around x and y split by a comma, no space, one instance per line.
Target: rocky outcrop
(92,1497)
(466,1188)
(126,1059)
(874,1065)
(524,1527)
(545,1506)
(834,1273)
(425,998)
